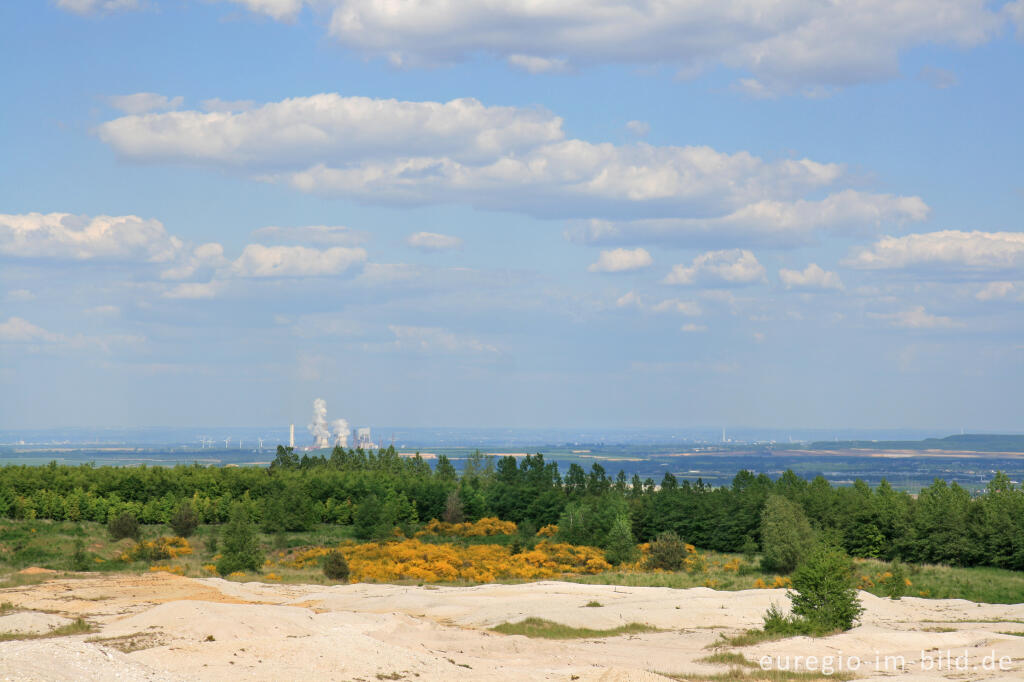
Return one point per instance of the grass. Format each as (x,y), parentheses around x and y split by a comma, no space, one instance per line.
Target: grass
(546,629)
(76,627)
(593,604)
(728,658)
(1017,633)
(938,629)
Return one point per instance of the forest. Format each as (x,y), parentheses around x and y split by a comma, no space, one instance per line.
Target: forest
(379,492)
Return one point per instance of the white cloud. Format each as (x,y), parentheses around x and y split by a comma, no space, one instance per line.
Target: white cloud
(811,277)
(949,249)
(294,261)
(537,64)
(432,241)
(502,158)
(437,340)
(144,102)
(916,318)
(622,260)
(671,305)
(330,129)
(103,311)
(784,45)
(208,256)
(91,6)
(284,10)
(1015,11)
(638,128)
(324,235)
(69,237)
(994,291)
(19,330)
(769,221)
(730,266)
(692,328)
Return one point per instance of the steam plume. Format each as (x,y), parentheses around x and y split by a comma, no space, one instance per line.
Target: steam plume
(340,429)
(318,428)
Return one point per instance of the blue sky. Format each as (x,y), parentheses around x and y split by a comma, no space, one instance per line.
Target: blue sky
(512,214)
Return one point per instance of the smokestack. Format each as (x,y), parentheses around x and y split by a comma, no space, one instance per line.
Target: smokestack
(340,429)
(291,436)
(318,428)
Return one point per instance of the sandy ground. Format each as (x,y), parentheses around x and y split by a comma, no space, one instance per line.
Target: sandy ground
(164,627)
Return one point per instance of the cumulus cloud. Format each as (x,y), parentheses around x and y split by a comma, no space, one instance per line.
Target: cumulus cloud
(19,330)
(283,10)
(726,267)
(69,237)
(949,249)
(769,222)
(432,241)
(144,102)
(811,277)
(193,291)
(437,340)
(784,45)
(504,158)
(916,318)
(622,260)
(216,104)
(93,6)
(208,256)
(694,328)
(324,235)
(258,260)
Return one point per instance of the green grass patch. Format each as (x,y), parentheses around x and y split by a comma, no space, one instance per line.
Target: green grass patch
(546,629)
(593,604)
(938,629)
(1015,633)
(728,658)
(76,627)
(741,675)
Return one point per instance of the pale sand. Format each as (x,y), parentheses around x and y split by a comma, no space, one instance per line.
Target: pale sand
(164,627)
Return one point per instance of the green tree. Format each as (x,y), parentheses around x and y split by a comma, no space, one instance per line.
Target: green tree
(184,520)
(667,552)
(786,535)
(335,566)
(824,593)
(240,550)
(620,546)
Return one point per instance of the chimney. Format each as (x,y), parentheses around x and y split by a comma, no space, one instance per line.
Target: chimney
(291,436)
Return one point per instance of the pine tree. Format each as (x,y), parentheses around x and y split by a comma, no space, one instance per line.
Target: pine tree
(240,549)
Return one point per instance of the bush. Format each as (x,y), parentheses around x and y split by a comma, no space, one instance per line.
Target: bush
(453,509)
(825,595)
(620,546)
(786,535)
(79,560)
(239,545)
(668,551)
(124,526)
(896,584)
(184,521)
(335,566)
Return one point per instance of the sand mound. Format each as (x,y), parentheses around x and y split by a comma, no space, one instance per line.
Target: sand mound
(36,570)
(30,622)
(161,626)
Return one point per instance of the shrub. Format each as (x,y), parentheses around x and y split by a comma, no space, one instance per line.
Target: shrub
(79,560)
(124,526)
(786,535)
(825,596)
(335,566)
(453,509)
(620,546)
(184,521)
(897,582)
(667,552)
(239,546)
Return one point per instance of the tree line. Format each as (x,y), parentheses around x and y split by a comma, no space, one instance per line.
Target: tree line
(377,491)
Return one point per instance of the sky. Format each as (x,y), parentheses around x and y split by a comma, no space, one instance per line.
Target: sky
(511,213)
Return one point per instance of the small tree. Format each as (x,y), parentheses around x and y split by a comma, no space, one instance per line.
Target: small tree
(620,547)
(786,535)
(125,525)
(240,549)
(825,596)
(335,566)
(453,509)
(668,551)
(184,520)
(896,585)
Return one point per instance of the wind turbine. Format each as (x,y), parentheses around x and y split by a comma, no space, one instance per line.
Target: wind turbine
(227,442)
(261,442)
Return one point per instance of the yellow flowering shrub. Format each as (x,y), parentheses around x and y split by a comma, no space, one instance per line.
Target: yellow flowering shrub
(430,562)
(760,584)
(486,526)
(176,570)
(161,548)
(210,568)
(272,576)
(548,531)
(782,581)
(732,566)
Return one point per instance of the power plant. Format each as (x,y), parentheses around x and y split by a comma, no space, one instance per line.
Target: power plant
(335,435)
